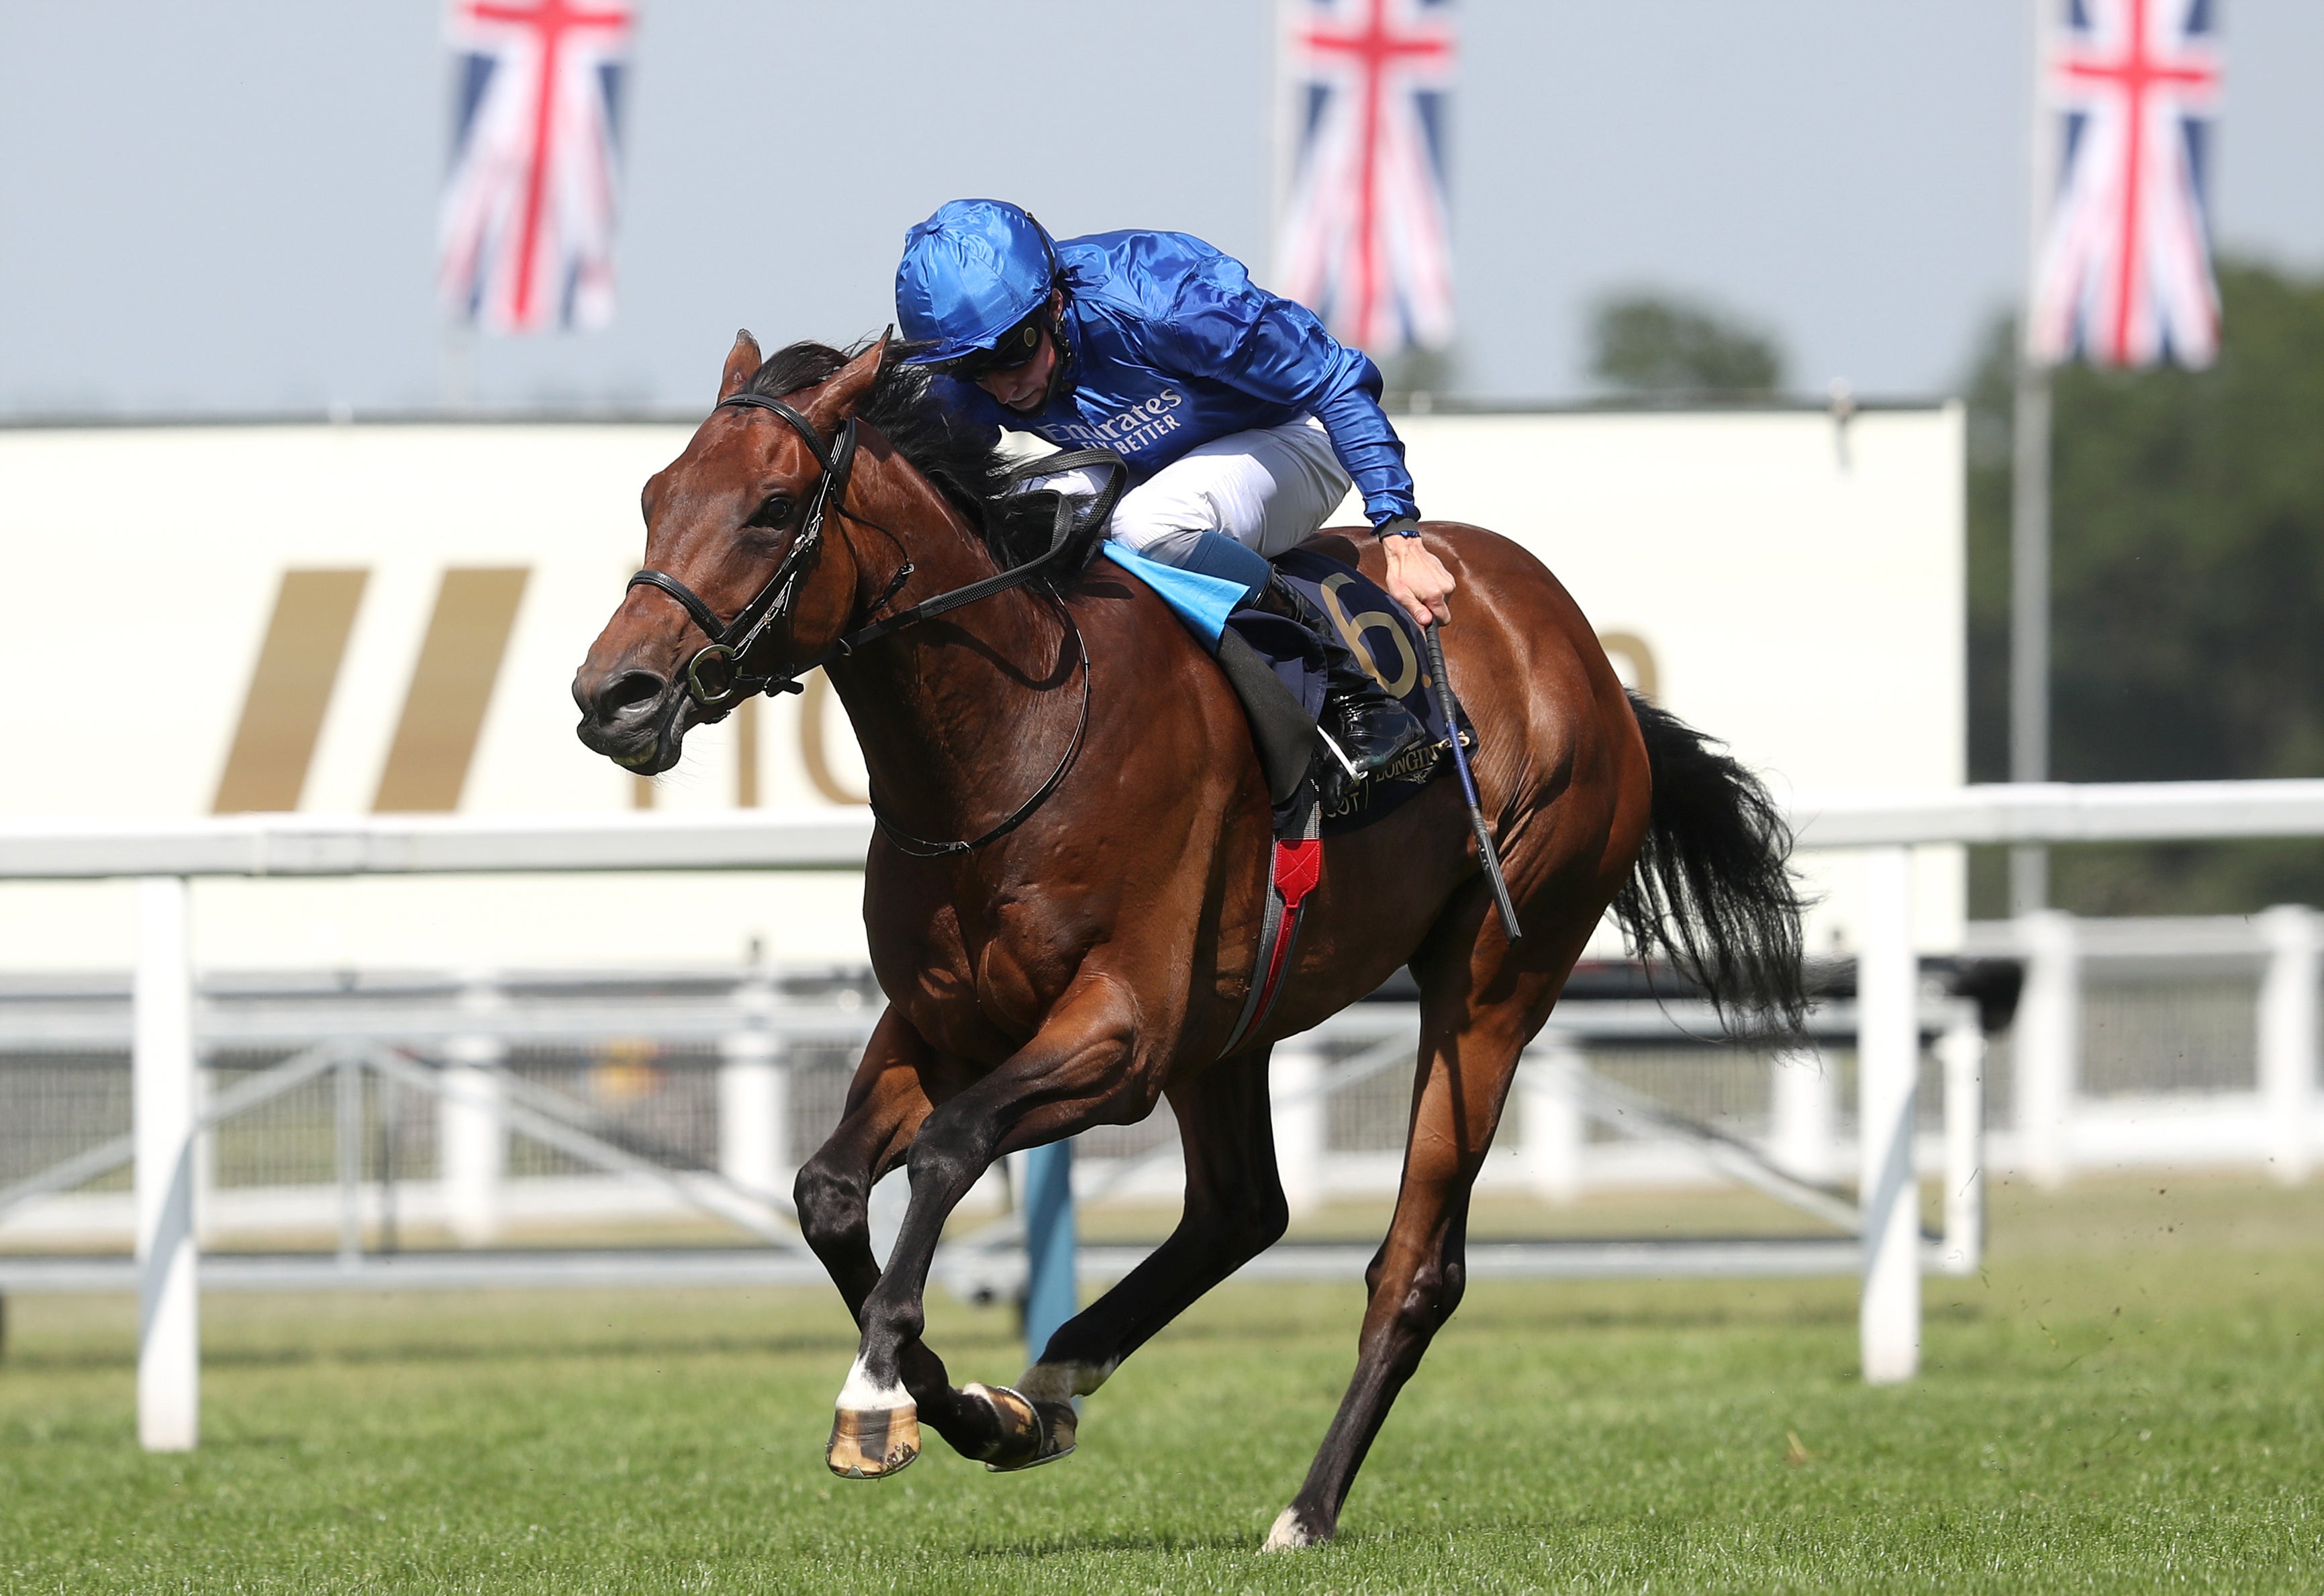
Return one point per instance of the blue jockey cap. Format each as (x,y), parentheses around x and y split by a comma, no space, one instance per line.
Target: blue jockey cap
(971,272)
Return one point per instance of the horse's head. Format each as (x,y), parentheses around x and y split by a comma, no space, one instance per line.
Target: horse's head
(720,520)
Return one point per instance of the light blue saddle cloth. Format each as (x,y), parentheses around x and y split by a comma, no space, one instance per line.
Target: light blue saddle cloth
(1203,603)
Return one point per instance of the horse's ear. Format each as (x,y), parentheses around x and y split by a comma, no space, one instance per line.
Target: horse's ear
(837,399)
(742,362)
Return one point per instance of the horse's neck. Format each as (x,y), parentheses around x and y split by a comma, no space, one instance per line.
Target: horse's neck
(946,710)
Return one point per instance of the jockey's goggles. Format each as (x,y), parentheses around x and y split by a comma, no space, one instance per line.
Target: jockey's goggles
(1014,348)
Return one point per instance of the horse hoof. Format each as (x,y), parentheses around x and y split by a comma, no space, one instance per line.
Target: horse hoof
(1019,1426)
(874,1442)
(1291,1532)
(1031,1433)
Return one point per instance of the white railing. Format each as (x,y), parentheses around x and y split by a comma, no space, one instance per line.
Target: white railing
(735,1046)
(2061,812)
(2150,1009)
(1884,826)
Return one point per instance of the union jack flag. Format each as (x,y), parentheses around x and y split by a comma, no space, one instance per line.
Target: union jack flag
(525,238)
(1363,238)
(2123,273)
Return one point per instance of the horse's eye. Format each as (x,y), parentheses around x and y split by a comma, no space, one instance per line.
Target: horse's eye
(776,511)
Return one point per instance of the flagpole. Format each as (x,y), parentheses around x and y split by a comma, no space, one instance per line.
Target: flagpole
(2029,504)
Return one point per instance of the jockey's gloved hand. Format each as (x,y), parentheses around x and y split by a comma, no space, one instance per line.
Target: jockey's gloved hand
(1416,580)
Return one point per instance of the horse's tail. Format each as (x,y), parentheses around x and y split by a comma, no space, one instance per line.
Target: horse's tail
(1713,889)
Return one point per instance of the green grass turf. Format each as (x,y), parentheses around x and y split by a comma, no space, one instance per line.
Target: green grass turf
(2131,1398)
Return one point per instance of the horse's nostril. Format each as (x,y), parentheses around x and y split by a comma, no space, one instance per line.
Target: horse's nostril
(628,691)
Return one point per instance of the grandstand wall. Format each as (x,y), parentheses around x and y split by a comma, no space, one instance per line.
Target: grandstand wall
(372,614)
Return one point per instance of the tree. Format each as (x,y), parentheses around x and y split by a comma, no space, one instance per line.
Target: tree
(1415,372)
(1650,344)
(2187,607)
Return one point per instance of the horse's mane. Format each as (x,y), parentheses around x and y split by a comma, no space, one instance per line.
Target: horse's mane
(963,461)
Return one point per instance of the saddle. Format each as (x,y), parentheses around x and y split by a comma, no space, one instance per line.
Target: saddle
(1277,669)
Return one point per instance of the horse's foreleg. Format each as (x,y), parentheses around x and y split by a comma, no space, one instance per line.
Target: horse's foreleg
(887,1102)
(1068,1077)
(1467,1054)
(1234,1211)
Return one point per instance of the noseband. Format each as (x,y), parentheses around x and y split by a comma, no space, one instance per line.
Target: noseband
(731,642)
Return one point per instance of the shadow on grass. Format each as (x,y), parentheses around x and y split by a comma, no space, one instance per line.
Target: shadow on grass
(1162,1543)
(1376,1537)
(532,1352)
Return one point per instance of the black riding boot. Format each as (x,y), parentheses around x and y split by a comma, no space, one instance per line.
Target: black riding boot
(1372,729)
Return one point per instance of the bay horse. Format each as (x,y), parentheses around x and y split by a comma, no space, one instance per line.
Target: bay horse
(1082,951)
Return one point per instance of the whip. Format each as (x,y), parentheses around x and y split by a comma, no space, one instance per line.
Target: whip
(1485,851)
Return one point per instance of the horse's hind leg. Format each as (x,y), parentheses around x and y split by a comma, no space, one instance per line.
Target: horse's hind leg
(1234,1211)
(1469,1050)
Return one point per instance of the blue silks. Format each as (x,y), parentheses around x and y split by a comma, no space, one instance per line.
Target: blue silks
(1203,603)
(1173,347)
(971,272)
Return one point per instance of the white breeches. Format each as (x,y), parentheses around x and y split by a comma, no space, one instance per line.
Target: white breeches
(1269,490)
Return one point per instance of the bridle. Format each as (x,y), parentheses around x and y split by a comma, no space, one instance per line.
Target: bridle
(733,642)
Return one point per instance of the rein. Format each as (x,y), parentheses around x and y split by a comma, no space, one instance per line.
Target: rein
(731,642)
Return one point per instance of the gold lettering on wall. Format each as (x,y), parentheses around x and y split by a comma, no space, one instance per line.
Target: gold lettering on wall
(289,690)
(1631,646)
(451,688)
(815,701)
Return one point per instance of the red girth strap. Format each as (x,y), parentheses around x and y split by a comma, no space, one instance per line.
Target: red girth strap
(1296,869)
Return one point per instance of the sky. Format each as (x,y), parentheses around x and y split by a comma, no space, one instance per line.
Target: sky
(229,208)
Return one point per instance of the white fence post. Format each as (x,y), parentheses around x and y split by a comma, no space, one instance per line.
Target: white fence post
(1550,1125)
(1294,1089)
(1803,1131)
(2047,1051)
(162,1117)
(471,1136)
(754,1140)
(1962,1050)
(2287,1038)
(349,1146)
(1888,1056)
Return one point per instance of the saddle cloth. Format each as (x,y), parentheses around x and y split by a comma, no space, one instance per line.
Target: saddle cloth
(1277,669)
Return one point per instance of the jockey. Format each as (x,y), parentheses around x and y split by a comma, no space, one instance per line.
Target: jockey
(1242,420)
